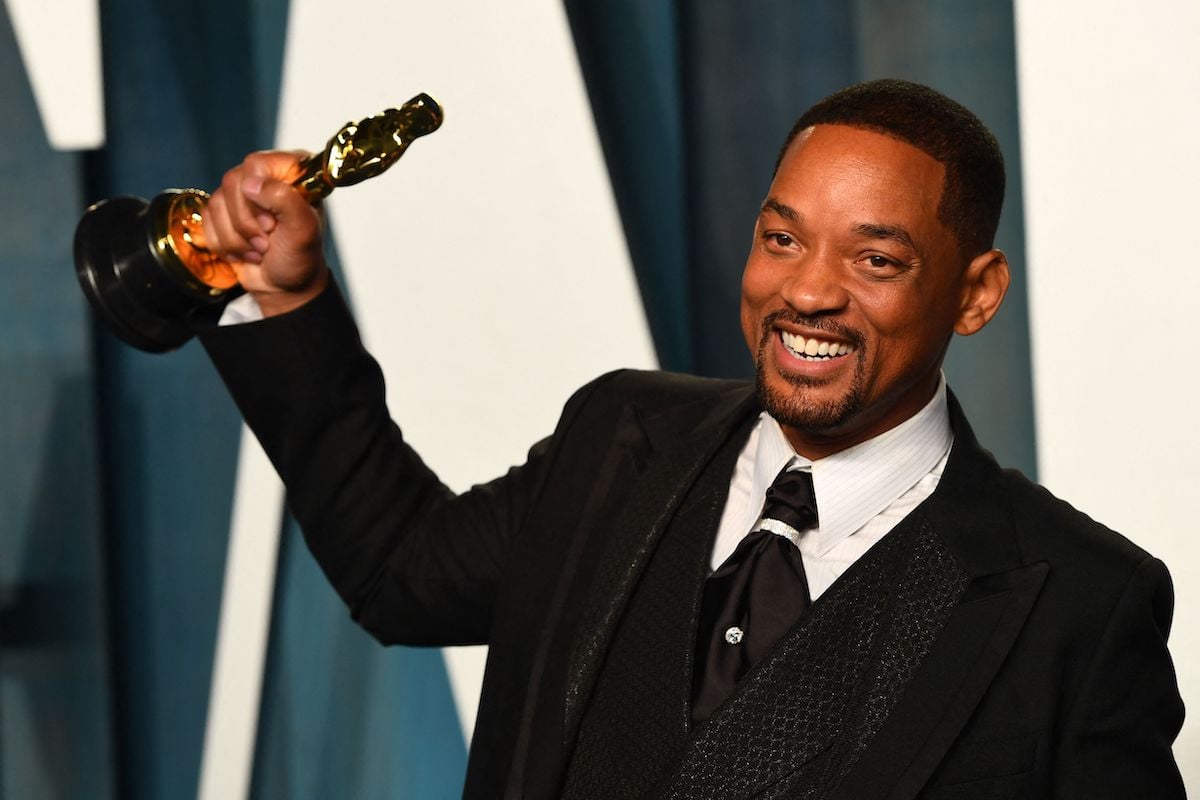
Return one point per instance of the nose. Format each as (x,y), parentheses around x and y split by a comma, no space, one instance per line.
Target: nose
(816,284)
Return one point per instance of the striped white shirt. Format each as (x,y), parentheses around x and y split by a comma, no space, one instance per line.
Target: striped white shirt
(861,492)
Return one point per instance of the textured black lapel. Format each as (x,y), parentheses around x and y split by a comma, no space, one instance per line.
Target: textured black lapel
(939,701)
(663,467)
(971,512)
(637,718)
(545,739)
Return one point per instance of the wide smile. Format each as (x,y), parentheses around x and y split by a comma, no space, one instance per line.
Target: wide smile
(814,348)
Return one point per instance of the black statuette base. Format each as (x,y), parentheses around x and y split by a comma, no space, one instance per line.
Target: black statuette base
(136,295)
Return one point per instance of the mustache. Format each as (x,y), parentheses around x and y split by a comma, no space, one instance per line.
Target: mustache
(816,323)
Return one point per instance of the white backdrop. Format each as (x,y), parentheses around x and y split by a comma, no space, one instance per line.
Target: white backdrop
(1110,107)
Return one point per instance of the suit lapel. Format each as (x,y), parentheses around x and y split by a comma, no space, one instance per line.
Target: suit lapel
(637,718)
(541,730)
(971,513)
(661,459)
(948,687)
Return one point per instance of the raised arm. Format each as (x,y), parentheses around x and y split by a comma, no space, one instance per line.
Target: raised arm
(415,563)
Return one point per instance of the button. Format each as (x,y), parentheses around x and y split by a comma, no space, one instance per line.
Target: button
(734,635)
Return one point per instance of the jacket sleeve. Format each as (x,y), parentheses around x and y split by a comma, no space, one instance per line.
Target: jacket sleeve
(415,563)
(1119,732)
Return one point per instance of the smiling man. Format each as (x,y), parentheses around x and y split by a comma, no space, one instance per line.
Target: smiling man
(816,586)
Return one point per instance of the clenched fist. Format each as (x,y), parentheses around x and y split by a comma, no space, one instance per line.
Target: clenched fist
(268,232)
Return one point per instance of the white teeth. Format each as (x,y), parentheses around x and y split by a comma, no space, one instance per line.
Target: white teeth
(812,349)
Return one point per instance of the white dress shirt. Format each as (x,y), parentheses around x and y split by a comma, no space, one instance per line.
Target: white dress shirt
(861,492)
(243,308)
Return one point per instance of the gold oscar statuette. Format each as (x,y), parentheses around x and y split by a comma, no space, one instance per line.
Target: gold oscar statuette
(145,268)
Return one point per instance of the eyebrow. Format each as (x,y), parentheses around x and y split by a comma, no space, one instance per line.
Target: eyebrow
(787,212)
(868,229)
(893,232)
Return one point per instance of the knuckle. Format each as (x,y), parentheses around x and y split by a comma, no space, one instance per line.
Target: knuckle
(267,163)
(228,235)
(257,164)
(245,226)
(231,180)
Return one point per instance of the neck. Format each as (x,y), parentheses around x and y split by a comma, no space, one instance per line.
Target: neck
(861,427)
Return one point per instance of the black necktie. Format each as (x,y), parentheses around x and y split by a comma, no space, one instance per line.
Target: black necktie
(756,596)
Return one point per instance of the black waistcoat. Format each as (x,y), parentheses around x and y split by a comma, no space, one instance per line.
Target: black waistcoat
(798,721)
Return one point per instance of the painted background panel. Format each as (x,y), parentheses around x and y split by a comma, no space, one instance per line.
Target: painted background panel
(1108,120)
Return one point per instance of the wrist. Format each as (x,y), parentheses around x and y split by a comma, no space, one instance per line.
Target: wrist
(276,302)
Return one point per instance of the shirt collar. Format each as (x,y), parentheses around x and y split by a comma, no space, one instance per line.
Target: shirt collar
(853,486)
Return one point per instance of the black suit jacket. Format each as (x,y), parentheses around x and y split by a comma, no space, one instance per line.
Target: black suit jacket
(1050,677)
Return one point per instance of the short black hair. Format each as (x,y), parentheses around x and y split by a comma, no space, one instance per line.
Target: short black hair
(973,191)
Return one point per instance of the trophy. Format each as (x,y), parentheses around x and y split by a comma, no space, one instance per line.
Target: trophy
(144,266)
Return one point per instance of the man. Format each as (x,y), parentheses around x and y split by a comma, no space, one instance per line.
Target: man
(820,586)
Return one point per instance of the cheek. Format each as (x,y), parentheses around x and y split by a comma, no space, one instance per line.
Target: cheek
(762,286)
(892,310)
(754,282)
(894,324)
(908,335)
(753,297)
(751,323)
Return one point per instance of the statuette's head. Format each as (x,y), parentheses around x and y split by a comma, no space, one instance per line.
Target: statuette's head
(365,148)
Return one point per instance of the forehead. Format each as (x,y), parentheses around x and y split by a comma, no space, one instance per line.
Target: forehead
(840,169)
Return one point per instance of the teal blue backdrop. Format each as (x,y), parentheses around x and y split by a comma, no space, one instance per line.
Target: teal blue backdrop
(56,707)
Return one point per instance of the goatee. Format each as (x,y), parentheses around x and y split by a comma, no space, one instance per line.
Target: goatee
(795,407)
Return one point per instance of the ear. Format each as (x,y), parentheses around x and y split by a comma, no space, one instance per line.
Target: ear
(985,283)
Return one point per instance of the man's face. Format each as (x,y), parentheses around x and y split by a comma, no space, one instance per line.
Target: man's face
(852,288)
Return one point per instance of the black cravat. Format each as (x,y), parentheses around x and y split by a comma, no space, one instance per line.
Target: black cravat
(756,596)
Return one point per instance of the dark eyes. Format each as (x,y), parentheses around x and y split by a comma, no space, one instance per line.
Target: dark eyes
(778,239)
(779,242)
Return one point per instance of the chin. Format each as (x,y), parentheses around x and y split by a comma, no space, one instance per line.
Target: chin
(797,404)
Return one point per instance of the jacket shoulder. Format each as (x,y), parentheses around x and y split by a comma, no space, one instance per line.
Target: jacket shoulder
(651,391)
(1052,528)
